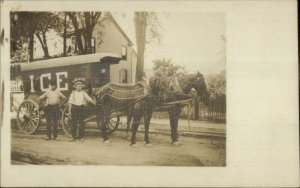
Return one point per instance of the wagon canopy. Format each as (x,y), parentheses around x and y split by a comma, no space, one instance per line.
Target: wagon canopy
(72,60)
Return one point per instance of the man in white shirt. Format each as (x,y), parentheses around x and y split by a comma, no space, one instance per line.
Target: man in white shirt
(78,99)
(52,110)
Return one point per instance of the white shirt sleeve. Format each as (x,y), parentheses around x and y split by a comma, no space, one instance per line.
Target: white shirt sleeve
(87,97)
(61,95)
(45,95)
(71,99)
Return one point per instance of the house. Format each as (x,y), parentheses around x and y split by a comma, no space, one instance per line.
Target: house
(112,39)
(116,41)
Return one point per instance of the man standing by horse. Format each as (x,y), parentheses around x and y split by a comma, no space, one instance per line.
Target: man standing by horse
(78,99)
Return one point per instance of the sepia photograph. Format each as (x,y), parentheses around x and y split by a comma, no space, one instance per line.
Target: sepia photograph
(149,93)
(115,88)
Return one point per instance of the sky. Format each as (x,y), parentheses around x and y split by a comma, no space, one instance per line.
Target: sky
(191,39)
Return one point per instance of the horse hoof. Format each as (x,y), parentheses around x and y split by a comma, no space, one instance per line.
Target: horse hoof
(106,141)
(176,143)
(149,145)
(134,145)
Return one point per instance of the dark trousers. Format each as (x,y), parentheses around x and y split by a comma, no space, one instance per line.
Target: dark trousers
(77,115)
(52,113)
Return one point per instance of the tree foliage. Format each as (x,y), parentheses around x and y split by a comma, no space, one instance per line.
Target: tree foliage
(165,66)
(24,25)
(216,85)
(47,21)
(84,24)
(146,30)
(22,32)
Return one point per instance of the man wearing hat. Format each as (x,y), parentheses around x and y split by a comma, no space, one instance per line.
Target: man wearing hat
(78,99)
(52,109)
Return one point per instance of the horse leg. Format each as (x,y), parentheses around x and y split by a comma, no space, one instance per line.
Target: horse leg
(128,129)
(171,117)
(147,118)
(104,119)
(135,126)
(175,126)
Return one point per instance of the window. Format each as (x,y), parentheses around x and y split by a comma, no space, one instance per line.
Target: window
(123,76)
(93,45)
(124,52)
(72,46)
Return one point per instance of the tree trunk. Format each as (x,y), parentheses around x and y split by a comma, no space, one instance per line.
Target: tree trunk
(46,51)
(89,41)
(30,46)
(88,32)
(77,31)
(140,30)
(43,42)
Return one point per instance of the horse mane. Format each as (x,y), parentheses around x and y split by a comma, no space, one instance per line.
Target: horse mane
(159,83)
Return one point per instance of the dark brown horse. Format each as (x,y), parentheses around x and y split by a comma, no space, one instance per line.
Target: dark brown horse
(134,102)
(186,83)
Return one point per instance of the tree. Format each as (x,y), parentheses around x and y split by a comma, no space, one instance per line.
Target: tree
(216,85)
(84,24)
(24,25)
(167,67)
(146,30)
(46,22)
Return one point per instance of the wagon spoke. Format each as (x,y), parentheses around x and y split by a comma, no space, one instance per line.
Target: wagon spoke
(30,125)
(22,124)
(66,121)
(34,123)
(30,108)
(33,110)
(26,107)
(22,110)
(34,117)
(26,126)
(34,120)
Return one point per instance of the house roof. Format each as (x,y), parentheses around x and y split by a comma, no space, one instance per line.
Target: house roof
(71,60)
(111,17)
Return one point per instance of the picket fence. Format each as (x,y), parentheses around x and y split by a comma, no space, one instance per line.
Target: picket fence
(207,111)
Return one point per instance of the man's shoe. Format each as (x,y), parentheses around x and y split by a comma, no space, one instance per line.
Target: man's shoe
(48,138)
(81,139)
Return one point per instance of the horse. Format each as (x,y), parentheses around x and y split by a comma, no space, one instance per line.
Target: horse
(186,84)
(193,81)
(134,106)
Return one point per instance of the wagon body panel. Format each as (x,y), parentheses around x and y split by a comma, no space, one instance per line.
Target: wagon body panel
(95,68)
(36,76)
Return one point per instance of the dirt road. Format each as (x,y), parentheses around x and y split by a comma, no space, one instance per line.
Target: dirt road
(194,151)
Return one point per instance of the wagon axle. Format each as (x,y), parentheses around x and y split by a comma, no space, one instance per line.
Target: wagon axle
(26,117)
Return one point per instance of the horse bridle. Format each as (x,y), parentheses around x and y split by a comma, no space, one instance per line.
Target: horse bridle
(193,83)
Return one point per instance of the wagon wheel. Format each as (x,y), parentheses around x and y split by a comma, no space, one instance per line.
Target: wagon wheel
(66,121)
(112,125)
(28,116)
